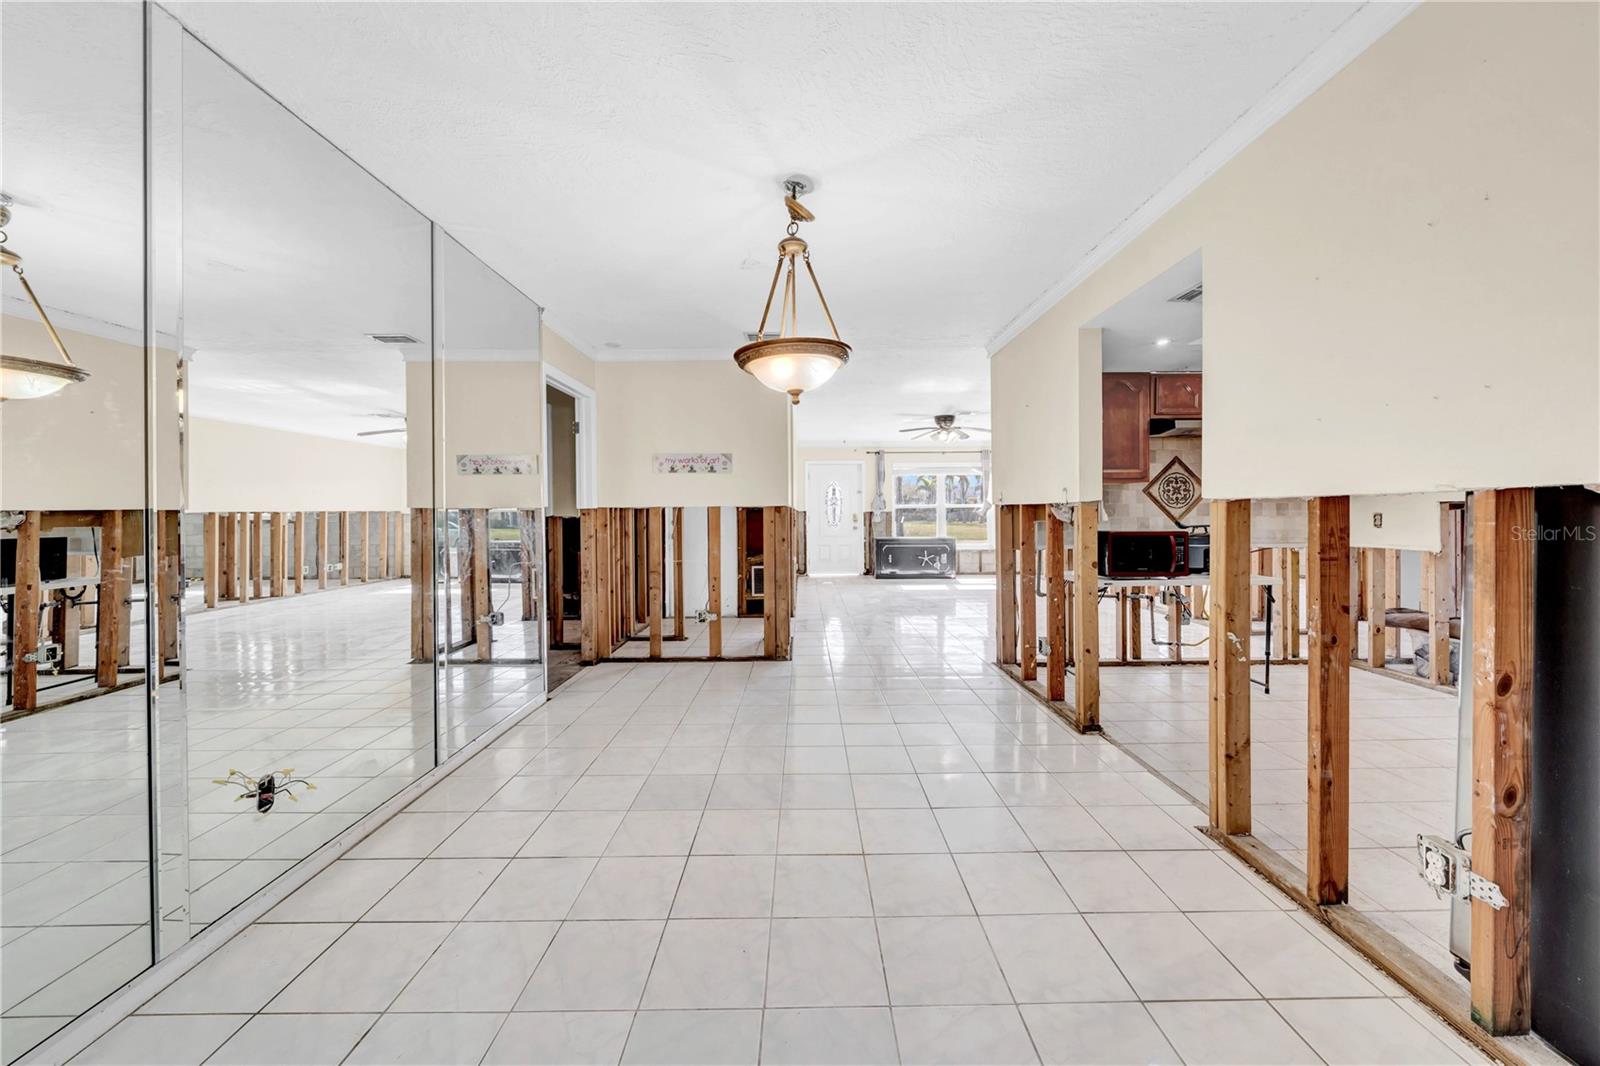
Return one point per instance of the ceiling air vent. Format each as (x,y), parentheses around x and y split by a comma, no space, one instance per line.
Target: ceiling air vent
(769,335)
(393,338)
(1189,296)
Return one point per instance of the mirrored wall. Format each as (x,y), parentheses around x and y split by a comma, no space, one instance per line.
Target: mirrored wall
(271,512)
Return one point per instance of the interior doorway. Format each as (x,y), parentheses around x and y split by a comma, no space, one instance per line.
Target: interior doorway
(834,517)
(564,442)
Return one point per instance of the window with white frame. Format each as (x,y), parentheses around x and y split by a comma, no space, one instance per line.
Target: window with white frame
(941,501)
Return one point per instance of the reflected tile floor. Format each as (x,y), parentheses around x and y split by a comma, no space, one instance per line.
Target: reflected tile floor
(880,852)
(318,682)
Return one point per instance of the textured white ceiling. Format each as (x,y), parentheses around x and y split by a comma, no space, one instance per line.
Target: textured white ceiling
(619,162)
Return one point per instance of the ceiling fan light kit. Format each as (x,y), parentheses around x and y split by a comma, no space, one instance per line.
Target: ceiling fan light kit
(788,362)
(944,429)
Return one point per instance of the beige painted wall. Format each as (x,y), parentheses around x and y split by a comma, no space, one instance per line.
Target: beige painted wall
(1410,522)
(83,448)
(1402,280)
(236,467)
(563,457)
(473,408)
(646,408)
(565,356)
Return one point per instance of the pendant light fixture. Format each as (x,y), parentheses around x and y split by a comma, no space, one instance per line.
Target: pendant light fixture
(789,362)
(23,378)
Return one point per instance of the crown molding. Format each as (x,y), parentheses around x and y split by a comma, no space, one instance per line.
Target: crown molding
(1358,32)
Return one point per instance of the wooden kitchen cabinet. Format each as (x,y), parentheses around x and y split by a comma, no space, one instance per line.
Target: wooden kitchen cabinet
(1176,396)
(1125,427)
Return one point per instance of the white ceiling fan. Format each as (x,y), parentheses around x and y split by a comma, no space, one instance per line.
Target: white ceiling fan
(944,428)
(383,432)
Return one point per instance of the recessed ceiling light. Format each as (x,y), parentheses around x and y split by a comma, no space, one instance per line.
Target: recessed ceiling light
(1162,342)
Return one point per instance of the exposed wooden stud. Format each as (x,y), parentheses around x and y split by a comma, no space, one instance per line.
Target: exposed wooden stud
(1120,601)
(25,607)
(1136,624)
(588,601)
(780,579)
(383,544)
(1005,584)
(1391,599)
(1055,609)
(132,550)
(1229,666)
(344,547)
(226,553)
(1086,579)
(714,579)
(1174,625)
(255,555)
(209,549)
(1027,593)
(169,583)
(1377,623)
(111,612)
(552,568)
(297,553)
(322,547)
(1291,601)
(482,630)
(364,543)
(769,631)
(654,578)
(677,574)
(1502,710)
(422,640)
(1438,598)
(66,624)
(279,546)
(1329,633)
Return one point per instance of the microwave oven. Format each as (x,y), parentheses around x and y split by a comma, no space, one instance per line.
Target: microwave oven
(1144,554)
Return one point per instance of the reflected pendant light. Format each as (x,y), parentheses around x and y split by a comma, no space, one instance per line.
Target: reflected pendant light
(23,378)
(789,362)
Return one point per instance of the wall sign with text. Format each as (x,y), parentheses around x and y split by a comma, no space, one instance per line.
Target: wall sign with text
(694,462)
(493,465)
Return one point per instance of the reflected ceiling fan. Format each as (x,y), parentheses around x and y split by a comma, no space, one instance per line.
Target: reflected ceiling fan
(944,428)
(384,432)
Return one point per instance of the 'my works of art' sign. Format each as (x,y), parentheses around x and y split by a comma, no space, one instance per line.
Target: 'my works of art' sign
(694,462)
(493,465)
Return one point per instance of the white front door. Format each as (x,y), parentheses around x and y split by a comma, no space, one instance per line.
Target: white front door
(834,527)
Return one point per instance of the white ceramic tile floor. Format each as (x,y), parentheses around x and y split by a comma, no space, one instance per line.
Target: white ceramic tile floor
(783,919)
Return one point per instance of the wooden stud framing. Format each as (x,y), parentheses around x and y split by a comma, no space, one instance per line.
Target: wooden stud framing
(111,612)
(364,542)
(322,547)
(226,553)
(255,555)
(1174,626)
(553,553)
(1136,625)
(1229,668)
(422,642)
(654,578)
(297,553)
(1502,709)
(480,628)
(1329,633)
(1086,580)
(279,542)
(383,544)
(1027,593)
(588,598)
(1005,584)
(677,574)
(169,583)
(1055,612)
(25,607)
(714,579)
(1438,597)
(1377,623)
(344,547)
(208,548)
(778,554)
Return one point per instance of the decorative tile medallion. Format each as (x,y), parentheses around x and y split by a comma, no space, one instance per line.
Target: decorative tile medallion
(1176,490)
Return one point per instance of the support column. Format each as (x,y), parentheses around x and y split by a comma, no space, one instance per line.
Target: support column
(1086,580)
(25,606)
(714,579)
(1329,632)
(1230,666)
(654,578)
(1502,709)
(1055,608)
(1027,596)
(1005,584)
